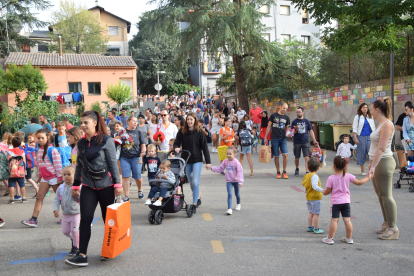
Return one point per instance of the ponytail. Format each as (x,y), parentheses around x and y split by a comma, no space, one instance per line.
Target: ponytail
(100,127)
(384,106)
(340,164)
(45,132)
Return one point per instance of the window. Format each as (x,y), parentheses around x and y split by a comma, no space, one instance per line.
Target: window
(266,37)
(75,87)
(285,37)
(305,39)
(41,48)
(305,18)
(113,51)
(94,88)
(285,10)
(264,9)
(113,30)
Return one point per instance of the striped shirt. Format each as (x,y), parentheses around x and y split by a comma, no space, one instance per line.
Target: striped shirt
(47,170)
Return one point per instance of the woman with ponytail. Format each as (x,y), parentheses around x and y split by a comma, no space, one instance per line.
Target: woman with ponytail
(97,171)
(381,167)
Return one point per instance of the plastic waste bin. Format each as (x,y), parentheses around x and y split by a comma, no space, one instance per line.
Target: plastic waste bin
(326,134)
(315,129)
(339,129)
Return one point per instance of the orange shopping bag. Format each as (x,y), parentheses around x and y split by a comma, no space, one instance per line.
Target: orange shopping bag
(117,236)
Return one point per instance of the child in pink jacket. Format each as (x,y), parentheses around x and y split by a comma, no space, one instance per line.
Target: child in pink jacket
(234,177)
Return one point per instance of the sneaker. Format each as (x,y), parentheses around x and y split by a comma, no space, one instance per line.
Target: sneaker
(198,202)
(363,173)
(78,260)
(2,223)
(105,259)
(285,176)
(73,251)
(238,207)
(297,172)
(17,198)
(11,201)
(7,192)
(30,222)
(223,173)
(278,175)
(24,200)
(59,221)
(229,212)
(140,194)
(148,202)
(34,197)
(318,231)
(47,194)
(328,241)
(310,229)
(126,199)
(212,150)
(350,241)
(157,203)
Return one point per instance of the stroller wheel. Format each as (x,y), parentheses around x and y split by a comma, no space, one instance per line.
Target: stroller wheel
(151,217)
(411,189)
(159,217)
(189,210)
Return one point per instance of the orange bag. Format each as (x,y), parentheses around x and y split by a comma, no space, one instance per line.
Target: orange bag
(117,236)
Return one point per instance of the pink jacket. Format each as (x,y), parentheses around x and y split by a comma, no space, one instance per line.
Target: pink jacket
(234,170)
(47,170)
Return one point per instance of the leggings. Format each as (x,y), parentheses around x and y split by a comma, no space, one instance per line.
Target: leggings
(230,186)
(70,225)
(193,174)
(382,181)
(88,201)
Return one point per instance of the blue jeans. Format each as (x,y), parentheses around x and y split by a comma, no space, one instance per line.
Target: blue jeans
(193,174)
(128,165)
(230,186)
(157,189)
(279,143)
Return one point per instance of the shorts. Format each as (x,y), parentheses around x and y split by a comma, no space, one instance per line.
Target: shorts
(298,147)
(28,173)
(128,165)
(215,130)
(51,182)
(14,181)
(246,149)
(279,144)
(314,206)
(344,209)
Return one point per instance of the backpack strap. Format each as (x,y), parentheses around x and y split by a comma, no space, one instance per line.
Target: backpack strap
(49,153)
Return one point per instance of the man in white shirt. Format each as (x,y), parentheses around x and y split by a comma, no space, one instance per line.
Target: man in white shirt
(170,131)
(240,113)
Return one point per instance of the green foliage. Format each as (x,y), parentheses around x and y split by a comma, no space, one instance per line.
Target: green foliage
(96,106)
(19,13)
(227,80)
(80,108)
(81,31)
(119,93)
(33,106)
(179,89)
(73,119)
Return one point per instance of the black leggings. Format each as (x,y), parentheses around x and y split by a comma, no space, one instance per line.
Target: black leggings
(88,201)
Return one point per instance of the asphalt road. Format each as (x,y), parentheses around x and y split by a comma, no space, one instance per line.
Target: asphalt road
(267,237)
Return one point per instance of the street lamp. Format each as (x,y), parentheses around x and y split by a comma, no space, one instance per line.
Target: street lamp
(158,81)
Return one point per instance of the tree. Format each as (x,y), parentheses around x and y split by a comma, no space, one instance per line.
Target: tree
(180,88)
(232,27)
(119,93)
(81,31)
(18,14)
(159,53)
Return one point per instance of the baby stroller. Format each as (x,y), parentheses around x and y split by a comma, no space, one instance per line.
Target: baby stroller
(173,202)
(351,141)
(406,173)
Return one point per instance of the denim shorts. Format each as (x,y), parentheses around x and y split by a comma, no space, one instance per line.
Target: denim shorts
(279,144)
(128,165)
(246,149)
(13,181)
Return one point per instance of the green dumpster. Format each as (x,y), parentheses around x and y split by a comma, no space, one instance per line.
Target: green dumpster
(326,134)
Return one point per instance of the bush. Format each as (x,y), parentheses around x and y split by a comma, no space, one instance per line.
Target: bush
(73,119)
(180,88)
(80,108)
(96,106)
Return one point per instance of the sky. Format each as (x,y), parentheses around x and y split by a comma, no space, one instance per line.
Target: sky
(127,9)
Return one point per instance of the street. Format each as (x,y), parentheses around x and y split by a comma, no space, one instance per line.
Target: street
(266,237)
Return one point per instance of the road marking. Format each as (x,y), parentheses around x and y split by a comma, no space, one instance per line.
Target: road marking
(357,191)
(352,217)
(207,217)
(381,219)
(200,193)
(59,256)
(95,220)
(217,247)
(297,189)
(255,239)
(269,174)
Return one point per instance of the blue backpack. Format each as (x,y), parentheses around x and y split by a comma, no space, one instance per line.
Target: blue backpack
(64,155)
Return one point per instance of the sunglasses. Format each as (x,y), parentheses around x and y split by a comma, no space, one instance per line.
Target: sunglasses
(163,115)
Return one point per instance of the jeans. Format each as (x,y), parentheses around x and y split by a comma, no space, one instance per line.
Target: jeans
(279,143)
(193,174)
(128,165)
(157,189)
(149,179)
(230,186)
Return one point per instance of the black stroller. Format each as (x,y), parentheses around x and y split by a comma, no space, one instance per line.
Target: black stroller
(406,174)
(173,202)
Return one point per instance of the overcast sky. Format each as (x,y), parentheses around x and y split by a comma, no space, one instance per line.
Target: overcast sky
(127,9)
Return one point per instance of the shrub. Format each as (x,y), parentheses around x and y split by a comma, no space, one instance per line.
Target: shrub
(96,106)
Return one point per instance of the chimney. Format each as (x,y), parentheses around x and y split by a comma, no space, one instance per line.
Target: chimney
(60,46)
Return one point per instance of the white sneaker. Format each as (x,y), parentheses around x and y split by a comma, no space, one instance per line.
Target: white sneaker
(363,173)
(157,203)
(148,202)
(229,212)
(350,241)
(238,207)
(212,150)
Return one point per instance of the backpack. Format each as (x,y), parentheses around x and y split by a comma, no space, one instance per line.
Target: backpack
(65,154)
(30,155)
(17,167)
(4,167)
(245,138)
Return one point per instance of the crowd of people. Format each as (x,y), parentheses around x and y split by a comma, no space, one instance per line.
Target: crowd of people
(105,155)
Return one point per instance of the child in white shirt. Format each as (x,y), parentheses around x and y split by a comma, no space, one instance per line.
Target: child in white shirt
(344,149)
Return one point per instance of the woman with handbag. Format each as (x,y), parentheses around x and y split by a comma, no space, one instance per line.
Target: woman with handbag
(362,128)
(97,172)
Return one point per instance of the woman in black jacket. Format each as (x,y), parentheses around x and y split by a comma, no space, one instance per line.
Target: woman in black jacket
(97,171)
(193,139)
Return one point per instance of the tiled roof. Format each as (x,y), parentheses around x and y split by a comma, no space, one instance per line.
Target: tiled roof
(75,60)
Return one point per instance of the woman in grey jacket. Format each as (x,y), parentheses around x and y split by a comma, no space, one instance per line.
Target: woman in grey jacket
(97,171)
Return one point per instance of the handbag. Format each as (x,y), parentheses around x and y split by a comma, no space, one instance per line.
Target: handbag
(265,154)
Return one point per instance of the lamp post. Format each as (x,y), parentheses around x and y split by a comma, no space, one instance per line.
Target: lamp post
(158,81)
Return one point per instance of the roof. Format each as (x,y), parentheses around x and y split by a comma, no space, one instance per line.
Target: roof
(39,33)
(102,9)
(70,60)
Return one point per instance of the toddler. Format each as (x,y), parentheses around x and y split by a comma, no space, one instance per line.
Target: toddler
(17,168)
(234,177)
(255,139)
(70,208)
(152,161)
(313,190)
(163,173)
(344,149)
(338,186)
